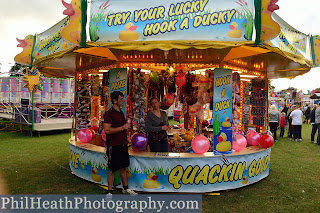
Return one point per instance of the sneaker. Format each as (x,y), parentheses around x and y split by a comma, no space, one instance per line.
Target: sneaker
(300,139)
(296,140)
(129,191)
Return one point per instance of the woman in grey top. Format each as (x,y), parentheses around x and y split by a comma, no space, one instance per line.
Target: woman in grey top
(274,120)
(156,121)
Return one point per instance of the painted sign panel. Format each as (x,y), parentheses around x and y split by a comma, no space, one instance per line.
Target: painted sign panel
(51,41)
(291,40)
(222,111)
(118,82)
(316,50)
(163,174)
(139,20)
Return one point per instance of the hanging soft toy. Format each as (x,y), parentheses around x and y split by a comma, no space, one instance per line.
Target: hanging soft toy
(155,77)
(181,80)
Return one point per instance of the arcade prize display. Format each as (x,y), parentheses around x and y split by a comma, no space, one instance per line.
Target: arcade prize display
(198,57)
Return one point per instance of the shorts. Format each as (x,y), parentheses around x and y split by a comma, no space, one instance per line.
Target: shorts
(118,157)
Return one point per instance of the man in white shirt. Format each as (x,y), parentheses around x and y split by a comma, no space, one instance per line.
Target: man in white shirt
(296,116)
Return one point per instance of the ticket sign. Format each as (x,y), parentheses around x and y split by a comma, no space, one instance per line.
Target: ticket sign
(222,111)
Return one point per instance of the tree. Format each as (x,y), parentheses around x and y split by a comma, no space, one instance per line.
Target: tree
(270,86)
(292,88)
(18,70)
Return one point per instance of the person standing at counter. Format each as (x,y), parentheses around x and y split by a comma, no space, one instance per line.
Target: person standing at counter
(157,125)
(115,127)
(296,116)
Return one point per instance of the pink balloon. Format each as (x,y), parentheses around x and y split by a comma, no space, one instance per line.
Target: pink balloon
(200,144)
(251,130)
(240,143)
(253,138)
(182,126)
(85,135)
(103,135)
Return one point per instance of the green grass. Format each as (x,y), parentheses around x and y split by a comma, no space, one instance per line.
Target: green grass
(293,185)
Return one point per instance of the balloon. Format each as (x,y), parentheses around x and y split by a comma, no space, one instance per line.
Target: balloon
(181,80)
(181,120)
(200,144)
(155,77)
(168,99)
(253,138)
(85,135)
(103,135)
(251,130)
(182,126)
(139,141)
(266,141)
(240,143)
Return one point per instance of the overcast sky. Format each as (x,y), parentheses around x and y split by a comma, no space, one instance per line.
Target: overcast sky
(18,18)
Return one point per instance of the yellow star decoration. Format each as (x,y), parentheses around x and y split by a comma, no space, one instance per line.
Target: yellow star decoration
(32,81)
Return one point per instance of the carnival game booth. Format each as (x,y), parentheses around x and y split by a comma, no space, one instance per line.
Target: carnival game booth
(190,53)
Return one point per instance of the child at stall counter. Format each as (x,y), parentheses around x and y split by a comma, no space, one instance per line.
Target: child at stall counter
(283,123)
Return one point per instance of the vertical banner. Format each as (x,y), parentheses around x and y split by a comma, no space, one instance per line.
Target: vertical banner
(118,82)
(222,113)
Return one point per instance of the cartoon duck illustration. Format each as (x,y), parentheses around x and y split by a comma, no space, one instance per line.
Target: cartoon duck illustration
(25,56)
(234,31)
(129,175)
(129,34)
(151,183)
(95,177)
(223,144)
(82,165)
(71,32)
(245,180)
(226,122)
(269,28)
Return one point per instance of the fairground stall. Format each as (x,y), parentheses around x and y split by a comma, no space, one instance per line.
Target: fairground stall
(196,55)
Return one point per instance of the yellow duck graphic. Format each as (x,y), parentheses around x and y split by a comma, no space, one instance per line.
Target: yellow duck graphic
(82,165)
(71,32)
(129,175)
(234,31)
(95,177)
(226,122)
(129,34)
(151,183)
(245,180)
(269,28)
(223,144)
(25,56)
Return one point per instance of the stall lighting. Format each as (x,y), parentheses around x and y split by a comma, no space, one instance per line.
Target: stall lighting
(241,103)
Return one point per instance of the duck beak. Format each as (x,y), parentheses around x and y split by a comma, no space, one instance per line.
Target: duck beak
(231,27)
(154,178)
(22,43)
(273,6)
(219,138)
(69,11)
(132,28)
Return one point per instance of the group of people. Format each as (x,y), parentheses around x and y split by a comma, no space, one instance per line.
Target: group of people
(293,117)
(116,126)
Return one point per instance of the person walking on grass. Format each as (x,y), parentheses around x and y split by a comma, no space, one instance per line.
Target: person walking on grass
(313,123)
(115,127)
(274,120)
(290,129)
(296,116)
(317,121)
(283,123)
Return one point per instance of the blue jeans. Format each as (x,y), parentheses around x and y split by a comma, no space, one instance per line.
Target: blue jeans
(160,146)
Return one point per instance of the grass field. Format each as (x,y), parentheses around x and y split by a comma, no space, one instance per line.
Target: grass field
(33,165)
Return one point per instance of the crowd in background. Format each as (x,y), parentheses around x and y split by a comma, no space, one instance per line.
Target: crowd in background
(292,118)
